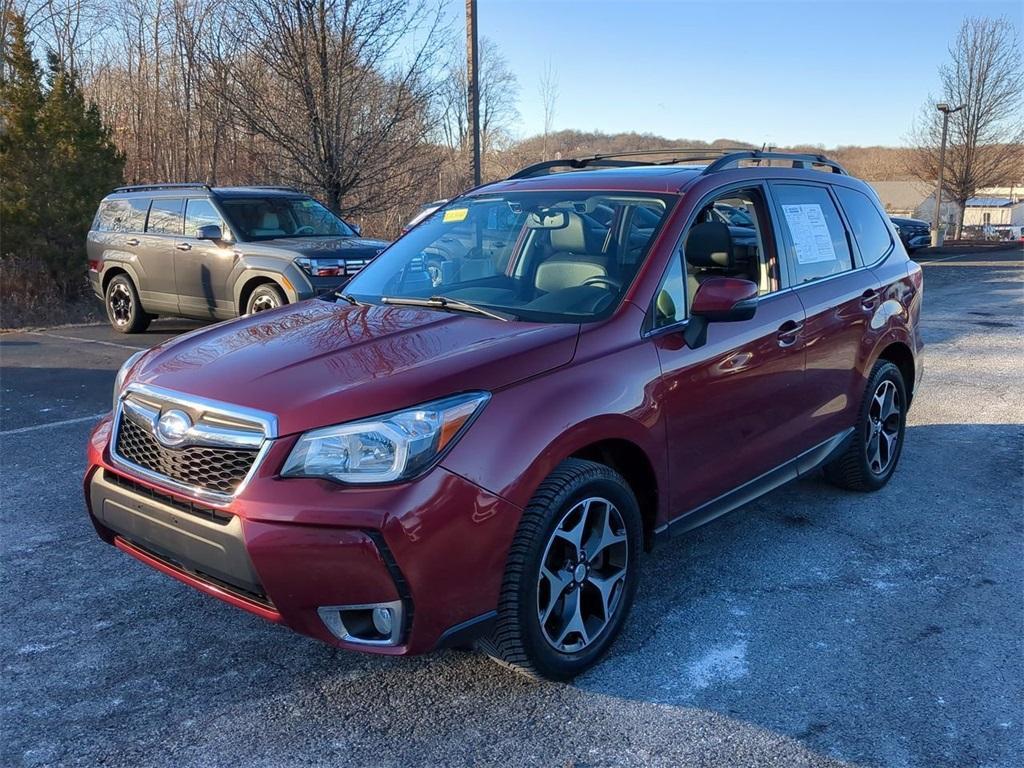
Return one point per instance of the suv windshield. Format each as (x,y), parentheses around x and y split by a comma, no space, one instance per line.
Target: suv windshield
(561,257)
(264,218)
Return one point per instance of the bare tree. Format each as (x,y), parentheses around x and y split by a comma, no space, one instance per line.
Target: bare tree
(548,100)
(499,92)
(984,75)
(322,82)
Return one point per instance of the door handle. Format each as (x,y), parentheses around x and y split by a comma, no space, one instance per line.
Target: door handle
(869,299)
(132,241)
(788,333)
(183,246)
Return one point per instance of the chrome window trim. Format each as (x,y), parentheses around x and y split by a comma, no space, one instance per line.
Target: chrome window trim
(267,421)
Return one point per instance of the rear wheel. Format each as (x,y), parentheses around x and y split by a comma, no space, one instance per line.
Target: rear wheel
(264,297)
(124,310)
(871,458)
(571,574)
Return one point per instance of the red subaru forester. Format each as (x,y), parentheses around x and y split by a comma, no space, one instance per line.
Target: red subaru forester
(476,438)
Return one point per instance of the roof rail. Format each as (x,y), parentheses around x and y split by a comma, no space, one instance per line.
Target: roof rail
(611,160)
(799,160)
(152,187)
(281,187)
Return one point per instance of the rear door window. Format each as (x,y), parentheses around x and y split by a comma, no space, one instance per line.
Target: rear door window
(123,215)
(200,212)
(165,216)
(869,228)
(816,244)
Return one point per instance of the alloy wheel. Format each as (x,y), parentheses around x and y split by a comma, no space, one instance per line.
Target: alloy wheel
(582,575)
(263,302)
(120,303)
(883,427)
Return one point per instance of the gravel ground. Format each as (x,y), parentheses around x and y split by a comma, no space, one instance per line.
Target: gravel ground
(813,627)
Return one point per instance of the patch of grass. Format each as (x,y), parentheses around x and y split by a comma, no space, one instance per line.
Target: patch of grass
(30,298)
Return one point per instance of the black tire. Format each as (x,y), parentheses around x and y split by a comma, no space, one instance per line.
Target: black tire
(518,639)
(854,469)
(124,310)
(264,297)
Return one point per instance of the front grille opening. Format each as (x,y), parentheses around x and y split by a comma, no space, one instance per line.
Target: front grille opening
(220,470)
(259,597)
(197,510)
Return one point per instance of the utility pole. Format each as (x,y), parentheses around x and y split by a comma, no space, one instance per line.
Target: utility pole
(946,111)
(473,87)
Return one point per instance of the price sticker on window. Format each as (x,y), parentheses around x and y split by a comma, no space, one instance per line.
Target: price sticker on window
(455,214)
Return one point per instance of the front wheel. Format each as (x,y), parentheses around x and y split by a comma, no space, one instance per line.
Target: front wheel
(871,458)
(265,297)
(572,573)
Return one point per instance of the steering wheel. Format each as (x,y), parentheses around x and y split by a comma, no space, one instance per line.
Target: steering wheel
(609,281)
(306,230)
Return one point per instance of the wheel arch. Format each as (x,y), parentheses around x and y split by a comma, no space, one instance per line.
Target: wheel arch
(632,462)
(250,282)
(899,354)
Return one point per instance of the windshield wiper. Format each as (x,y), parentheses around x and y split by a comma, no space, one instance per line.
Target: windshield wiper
(350,299)
(443,302)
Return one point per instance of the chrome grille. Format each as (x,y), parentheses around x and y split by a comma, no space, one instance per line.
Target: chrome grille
(202,448)
(213,469)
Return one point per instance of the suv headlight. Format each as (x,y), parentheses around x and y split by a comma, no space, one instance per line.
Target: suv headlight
(321,267)
(386,448)
(122,374)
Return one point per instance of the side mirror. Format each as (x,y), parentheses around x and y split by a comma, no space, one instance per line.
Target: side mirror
(210,232)
(719,300)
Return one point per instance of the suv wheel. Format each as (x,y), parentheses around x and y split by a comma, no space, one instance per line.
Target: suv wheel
(264,297)
(869,461)
(124,310)
(572,573)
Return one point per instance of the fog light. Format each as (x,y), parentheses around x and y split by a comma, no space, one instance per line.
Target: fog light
(373,624)
(382,621)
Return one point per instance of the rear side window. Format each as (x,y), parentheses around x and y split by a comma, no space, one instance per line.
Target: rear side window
(869,228)
(124,215)
(200,212)
(816,242)
(165,216)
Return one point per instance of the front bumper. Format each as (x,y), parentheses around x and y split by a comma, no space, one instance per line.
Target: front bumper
(285,548)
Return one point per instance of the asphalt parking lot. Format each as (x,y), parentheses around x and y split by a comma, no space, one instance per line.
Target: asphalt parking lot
(813,627)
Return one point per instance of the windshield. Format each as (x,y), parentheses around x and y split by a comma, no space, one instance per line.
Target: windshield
(561,257)
(264,218)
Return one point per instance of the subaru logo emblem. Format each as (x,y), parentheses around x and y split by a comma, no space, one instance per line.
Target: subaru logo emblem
(172,428)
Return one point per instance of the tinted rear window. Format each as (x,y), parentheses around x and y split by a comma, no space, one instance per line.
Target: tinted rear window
(122,215)
(165,217)
(869,228)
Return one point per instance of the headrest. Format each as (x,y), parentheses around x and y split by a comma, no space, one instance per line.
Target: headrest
(270,221)
(709,246)
(571,237)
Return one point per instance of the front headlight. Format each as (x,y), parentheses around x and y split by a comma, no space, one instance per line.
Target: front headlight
(122,374)
(392,447)
(315,267)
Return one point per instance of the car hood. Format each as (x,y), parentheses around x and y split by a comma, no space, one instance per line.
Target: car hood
(325,247)
(318,363)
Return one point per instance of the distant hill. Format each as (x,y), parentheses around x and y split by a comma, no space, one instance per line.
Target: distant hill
(870,163)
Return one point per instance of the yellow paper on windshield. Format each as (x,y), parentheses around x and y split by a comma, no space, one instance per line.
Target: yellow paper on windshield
(455,214)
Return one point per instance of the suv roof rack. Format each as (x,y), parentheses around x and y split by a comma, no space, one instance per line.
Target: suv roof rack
(280,187)
(611,160)
(799,160)
(151,187)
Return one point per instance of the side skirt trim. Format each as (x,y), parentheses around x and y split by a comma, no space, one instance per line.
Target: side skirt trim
(802,465)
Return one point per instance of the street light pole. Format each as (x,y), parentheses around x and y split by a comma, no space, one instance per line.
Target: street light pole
(473,87)
(946,111)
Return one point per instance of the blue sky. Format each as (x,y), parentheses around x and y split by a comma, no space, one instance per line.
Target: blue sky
(824,72)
